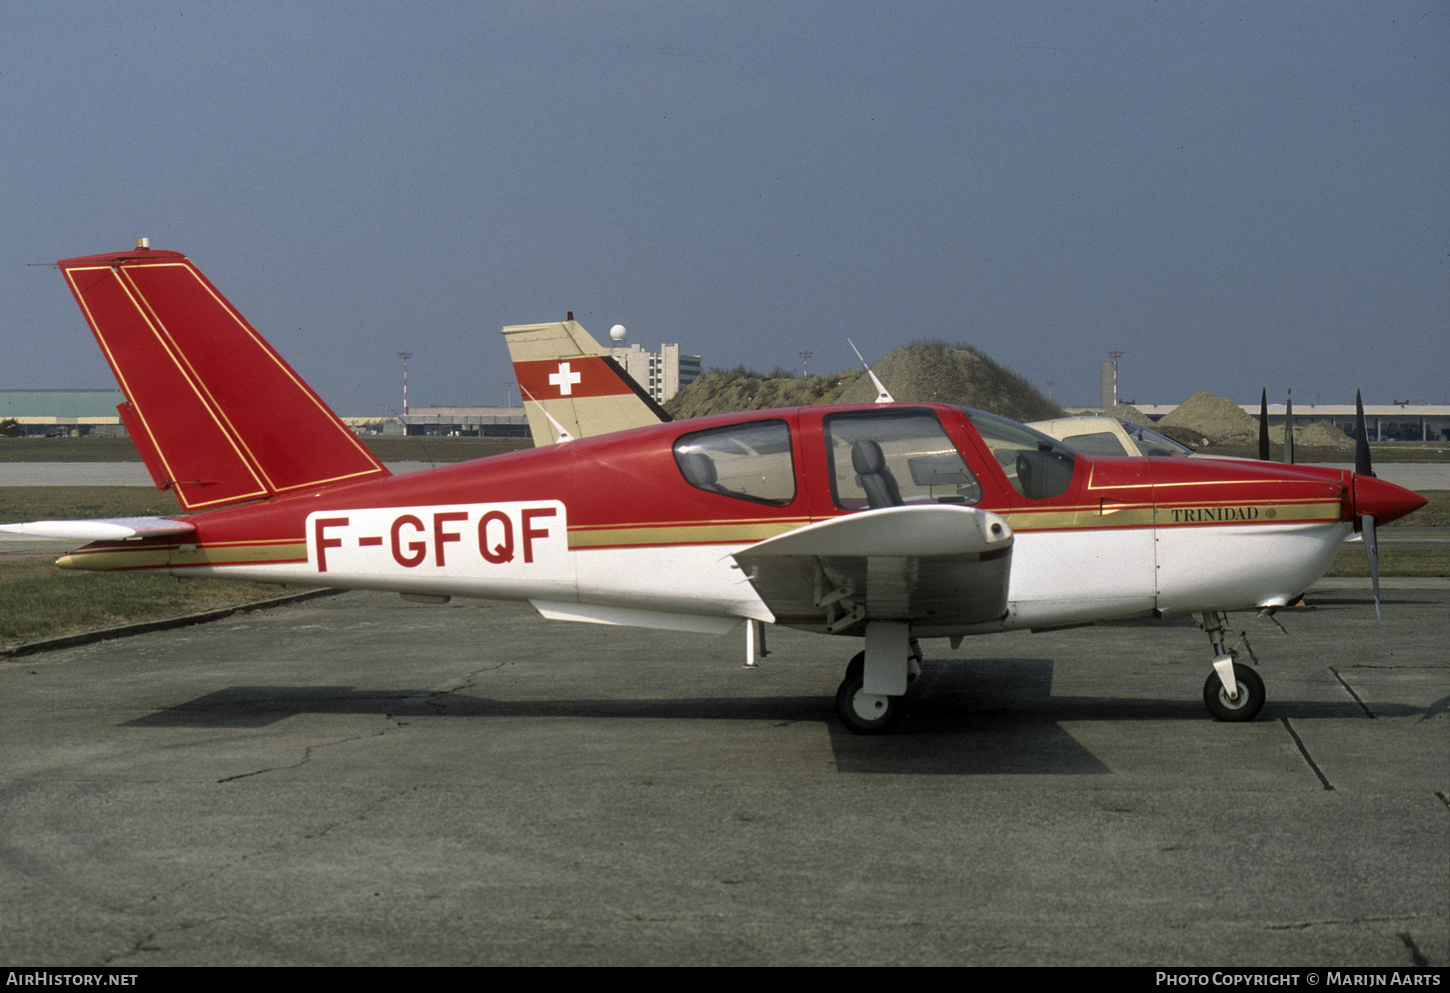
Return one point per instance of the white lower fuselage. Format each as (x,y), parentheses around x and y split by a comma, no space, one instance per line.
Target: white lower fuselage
(1058,577)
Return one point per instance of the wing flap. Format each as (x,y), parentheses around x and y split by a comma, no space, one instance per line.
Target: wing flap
(930,565)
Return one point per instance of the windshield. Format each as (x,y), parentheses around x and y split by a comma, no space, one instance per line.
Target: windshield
(1037,466)
(1152,442)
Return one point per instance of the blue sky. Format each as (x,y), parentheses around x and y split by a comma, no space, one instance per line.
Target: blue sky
(1234,195)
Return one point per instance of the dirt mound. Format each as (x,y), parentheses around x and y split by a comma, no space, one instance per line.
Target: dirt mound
(1215,418)
(936,372)
(926,371)
(1321,434)
(1127,412)
(722,391)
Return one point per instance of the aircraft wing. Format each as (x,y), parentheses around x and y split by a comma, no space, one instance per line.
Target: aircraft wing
(929,564)
(109,529)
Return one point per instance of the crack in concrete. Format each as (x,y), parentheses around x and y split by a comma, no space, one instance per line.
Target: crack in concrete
(1350,690)
(436,699)
(306,758)
(1304,751)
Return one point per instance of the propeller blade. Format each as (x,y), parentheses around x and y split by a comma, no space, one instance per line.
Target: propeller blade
(1361,439)
(1264,425)
(1362,467)
(1289,429)
(1372,549)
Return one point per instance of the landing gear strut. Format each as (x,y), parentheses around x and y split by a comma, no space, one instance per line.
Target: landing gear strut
(1233,692)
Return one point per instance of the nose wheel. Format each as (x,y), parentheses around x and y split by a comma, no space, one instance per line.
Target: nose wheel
(1244,704)
(1233,692)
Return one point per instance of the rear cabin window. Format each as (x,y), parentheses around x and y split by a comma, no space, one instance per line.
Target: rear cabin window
(889,459)
(746,461)
(1098,443)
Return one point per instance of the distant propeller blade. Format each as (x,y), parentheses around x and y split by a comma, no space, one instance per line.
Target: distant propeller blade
(1289,429)
(1372,549)
(1361,439)
(1362,467)
(1264,425)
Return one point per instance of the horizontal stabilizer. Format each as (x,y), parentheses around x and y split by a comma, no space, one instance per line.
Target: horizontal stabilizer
(108,529)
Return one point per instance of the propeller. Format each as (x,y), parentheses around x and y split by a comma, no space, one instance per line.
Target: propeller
(1289,429)
(1361,439)
(1362,467)
(1264,425)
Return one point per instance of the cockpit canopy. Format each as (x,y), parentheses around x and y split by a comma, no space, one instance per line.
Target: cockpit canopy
(879,457)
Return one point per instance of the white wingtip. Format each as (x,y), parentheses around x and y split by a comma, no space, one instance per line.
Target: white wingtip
(109,529)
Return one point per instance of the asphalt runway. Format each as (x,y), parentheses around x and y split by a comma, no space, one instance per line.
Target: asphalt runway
(356,780)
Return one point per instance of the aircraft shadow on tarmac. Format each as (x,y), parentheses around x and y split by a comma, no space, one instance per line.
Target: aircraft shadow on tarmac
(977,718)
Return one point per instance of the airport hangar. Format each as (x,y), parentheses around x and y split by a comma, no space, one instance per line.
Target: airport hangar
(75,413)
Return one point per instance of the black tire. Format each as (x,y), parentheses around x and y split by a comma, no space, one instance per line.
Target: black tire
(1250,698)
(866,713)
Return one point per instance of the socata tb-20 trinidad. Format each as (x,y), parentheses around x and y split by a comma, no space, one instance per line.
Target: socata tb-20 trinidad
(889,522)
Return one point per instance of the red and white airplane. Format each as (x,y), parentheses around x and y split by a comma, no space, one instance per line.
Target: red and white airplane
(888,522)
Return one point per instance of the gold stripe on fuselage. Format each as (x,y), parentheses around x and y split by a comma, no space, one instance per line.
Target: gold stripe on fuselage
(181,555)
(679,533)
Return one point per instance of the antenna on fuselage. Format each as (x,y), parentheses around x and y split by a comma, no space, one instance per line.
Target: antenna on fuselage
(560,434)
(881,395)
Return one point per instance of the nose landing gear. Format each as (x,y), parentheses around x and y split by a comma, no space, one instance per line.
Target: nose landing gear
(1233,692)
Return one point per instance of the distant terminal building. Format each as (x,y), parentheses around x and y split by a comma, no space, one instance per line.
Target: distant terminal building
(663,373)
(1384,421)
(459,422)
(70,413)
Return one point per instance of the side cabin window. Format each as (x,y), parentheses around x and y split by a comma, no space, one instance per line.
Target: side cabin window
(746,461)
(1037,466)
(895,457)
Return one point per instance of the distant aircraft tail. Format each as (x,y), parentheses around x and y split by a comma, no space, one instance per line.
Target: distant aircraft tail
(573,383)
(218,416)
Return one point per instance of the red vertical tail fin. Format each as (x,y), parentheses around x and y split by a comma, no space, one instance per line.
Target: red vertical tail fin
(216,413)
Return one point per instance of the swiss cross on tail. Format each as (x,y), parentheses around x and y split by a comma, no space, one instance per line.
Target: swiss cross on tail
(587,376)
(566,379)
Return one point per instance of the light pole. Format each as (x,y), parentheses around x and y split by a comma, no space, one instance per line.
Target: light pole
(405,356)
(1115,356)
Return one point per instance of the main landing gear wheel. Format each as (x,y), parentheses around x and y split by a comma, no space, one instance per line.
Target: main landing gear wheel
(1245,706)
(862,712)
